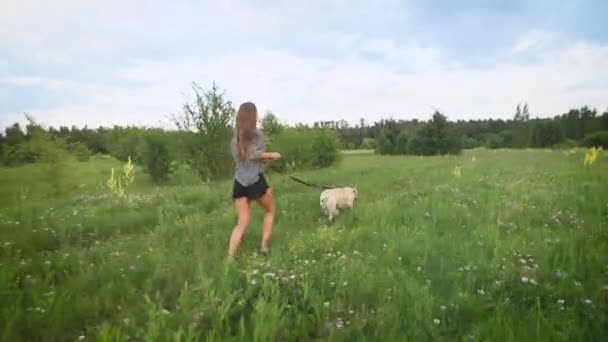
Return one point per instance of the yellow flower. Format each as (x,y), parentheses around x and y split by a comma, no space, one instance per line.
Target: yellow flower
(591,155)
(457,171)
(117,185)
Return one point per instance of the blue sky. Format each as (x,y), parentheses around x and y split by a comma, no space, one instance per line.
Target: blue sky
(132,62)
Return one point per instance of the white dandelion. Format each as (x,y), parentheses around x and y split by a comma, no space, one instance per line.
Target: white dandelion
(524,280)
(436,321)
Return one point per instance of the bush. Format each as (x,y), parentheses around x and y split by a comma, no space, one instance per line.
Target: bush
(494,141)
(80,150)
(403,140)
(566,144)
(387,141)
(305,148)
(546,134)
(368,144)
(156,158)
(127,143)
(207,123)
(433,138)
(325,149)
(596,139)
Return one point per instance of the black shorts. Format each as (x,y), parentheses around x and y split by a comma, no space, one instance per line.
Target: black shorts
(252,192)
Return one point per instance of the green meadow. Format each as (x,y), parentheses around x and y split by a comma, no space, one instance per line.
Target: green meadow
(490,245)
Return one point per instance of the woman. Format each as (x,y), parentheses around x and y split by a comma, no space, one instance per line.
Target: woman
(248,150)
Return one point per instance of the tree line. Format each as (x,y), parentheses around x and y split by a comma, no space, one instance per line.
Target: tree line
(203,129)
(200,140)
(582,126)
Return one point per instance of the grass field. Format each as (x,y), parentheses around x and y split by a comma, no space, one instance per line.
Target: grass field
(515,249)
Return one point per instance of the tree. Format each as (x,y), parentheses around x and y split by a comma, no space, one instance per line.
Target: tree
(208,124)
(604,121)
(270,124)
(521,127)
(436,138)
(546,134)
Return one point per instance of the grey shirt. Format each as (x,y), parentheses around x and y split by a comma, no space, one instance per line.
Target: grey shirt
(247,171)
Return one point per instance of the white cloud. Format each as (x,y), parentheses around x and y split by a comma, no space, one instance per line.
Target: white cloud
(402,77)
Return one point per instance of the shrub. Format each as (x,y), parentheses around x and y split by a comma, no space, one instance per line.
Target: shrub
(270,124)
(387,141)
(207,122)
(156,157)
(596,139)
(436,138)
(402,142)
(324,149)
(80,150)
(494,141)
(127,143)
(546,134)
(368,144)
(305,148)
(51,152)
(567,144)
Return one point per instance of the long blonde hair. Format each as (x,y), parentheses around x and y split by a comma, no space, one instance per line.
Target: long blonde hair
(246,124)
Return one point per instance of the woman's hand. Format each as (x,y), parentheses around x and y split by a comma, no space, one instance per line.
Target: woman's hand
(271,156)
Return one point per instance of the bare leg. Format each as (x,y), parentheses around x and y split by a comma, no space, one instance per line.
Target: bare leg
(242,210)
(267,204)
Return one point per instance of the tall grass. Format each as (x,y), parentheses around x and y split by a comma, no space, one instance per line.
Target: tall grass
(512,250)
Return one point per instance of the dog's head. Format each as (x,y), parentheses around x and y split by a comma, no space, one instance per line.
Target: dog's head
(355,193)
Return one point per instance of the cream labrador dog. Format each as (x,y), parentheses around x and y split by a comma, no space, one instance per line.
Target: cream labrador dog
(332,200)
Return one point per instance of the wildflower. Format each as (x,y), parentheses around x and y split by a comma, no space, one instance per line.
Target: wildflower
(588,301)
(456,172)
(254,272)
(419,269)
(339,323)
(165,311)
(326,304)
(533,282)
(561,301)
(524,280)
(399,258)
(47,262)
(443,308)
(253,282)
(292,277)
(481,291)
(81,337)
(350,312)
(345,283)
(522,260)
(591,155)
(436,321)
(577,284)
(126,321)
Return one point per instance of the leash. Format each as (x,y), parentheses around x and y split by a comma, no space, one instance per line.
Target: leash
(298,180)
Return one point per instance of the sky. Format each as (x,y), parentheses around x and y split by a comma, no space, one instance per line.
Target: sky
(71,62)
